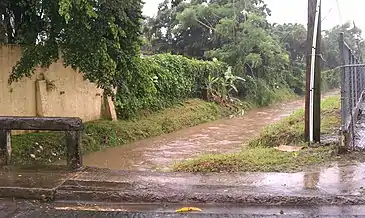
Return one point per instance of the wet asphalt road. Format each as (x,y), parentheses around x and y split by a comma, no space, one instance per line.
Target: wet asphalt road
(20,209)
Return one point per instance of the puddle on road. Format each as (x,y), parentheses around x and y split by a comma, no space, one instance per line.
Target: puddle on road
(221,136)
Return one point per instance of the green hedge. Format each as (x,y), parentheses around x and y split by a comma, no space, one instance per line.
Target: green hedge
(159,81)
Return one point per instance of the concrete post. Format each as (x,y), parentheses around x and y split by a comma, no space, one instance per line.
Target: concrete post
(5,147)
(74,154)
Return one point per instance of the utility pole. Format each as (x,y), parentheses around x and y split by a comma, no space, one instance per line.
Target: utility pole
(317,84)
(310,28)
(313,73)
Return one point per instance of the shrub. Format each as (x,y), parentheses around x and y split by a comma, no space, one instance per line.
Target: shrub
(331,79)
(158,81)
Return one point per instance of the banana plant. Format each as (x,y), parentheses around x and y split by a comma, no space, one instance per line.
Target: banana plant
(212,84)
(230,80)
(224,85)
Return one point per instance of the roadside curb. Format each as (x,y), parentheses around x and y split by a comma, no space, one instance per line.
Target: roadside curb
(43,194)
(207,198)
(21,208)
(150,196)
(110,214)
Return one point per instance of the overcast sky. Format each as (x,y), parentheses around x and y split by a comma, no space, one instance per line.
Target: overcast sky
(285,11)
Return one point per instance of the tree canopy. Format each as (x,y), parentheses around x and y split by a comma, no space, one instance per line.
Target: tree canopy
(352,36)
(100,38)
(235,32)
(103,38)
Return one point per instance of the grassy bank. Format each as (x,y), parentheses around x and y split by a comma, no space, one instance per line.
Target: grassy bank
(41,148)
(260,154)
(289,131)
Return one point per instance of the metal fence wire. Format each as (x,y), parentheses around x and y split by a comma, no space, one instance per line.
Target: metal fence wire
(352,96)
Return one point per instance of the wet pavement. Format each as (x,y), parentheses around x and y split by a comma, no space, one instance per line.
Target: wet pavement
(335,192)
(338,185)
(326,186)
(30,183)
(222,136)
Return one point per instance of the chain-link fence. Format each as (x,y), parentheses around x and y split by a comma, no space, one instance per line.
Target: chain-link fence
(352,93)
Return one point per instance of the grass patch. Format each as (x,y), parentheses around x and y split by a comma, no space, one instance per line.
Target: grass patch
(290,130)
(258,159)
(260,154)
(47,147)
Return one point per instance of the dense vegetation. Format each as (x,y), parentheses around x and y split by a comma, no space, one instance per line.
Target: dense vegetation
(220,50)
(268,56)
(236,33)
(159,81)
(103,40)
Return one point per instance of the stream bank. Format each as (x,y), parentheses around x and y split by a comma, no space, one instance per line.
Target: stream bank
(221,136)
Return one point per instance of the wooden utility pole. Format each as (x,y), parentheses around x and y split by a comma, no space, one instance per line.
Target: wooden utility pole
(310,30)
(312,8)
(317,85)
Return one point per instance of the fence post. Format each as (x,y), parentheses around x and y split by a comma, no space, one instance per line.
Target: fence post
(352,81)
(354,71)
(362,80)
(344,143)
(5,147)
(359,81)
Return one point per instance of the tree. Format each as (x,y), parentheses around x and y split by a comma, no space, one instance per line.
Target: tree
(189,28)
(163,31)
(293,38)
(20,21)
(234,31)
(352,36)
(99,38)
(239,36)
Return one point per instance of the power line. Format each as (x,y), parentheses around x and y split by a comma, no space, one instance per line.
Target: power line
(329,11)
(339,12)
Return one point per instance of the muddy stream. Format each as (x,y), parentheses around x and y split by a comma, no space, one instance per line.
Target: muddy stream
(221,136)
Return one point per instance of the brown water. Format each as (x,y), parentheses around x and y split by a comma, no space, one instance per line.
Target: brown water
(222,136)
